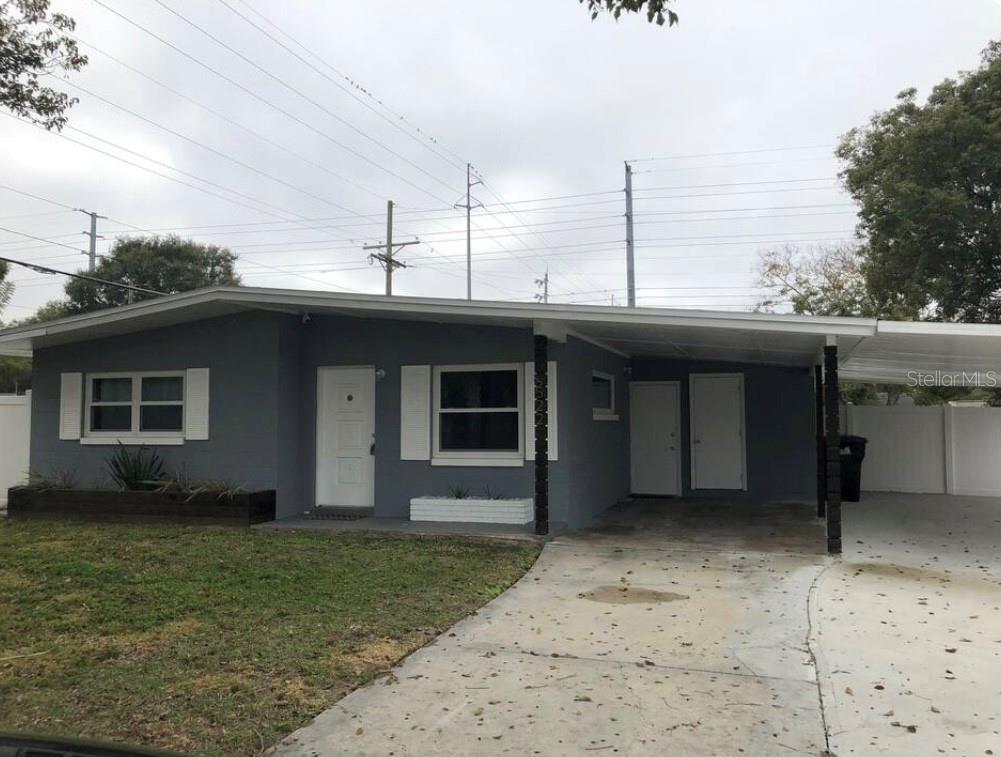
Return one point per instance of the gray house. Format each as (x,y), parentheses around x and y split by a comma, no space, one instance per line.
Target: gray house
(367,402)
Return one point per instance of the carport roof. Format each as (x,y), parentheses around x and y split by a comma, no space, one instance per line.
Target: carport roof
(869,350)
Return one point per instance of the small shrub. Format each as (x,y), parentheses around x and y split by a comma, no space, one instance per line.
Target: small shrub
(490,494)
(458,491)
(139,469)
(182,484)
(65,479)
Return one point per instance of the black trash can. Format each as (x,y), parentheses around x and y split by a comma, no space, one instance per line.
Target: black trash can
(852,455)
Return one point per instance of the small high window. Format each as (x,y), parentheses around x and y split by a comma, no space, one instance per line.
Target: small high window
(603,396)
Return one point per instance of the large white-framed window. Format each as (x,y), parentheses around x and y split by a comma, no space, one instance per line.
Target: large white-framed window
(478,416)
(142,406)
(603,396)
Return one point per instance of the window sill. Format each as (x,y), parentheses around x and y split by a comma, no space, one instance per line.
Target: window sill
(605,417)
(149,441)
(479,462)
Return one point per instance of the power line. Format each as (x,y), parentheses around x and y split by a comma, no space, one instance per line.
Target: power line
(313,102)
(36,197)
(732,152)
(350,89)
(92,279)
(262,99)
(221,116)
(207,148)
(735,165)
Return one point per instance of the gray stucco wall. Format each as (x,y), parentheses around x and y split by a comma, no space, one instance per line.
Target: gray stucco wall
(242,354)
(778,407)
(598,451)
(263,412)
(387,345)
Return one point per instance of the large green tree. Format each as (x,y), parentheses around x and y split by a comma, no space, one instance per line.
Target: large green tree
(15,372)
(34,45)
(927,178)
(162,264)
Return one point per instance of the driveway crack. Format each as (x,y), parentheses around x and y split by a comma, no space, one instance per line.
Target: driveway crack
(811,602)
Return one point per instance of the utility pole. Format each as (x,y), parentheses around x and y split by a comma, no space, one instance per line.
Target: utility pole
(630,264)
(94,236)
(385,258)
(469,239)
(544,283)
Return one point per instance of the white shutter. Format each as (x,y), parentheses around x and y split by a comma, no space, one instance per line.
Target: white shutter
(415,412)
(530,412)
(70,405)
(196,403)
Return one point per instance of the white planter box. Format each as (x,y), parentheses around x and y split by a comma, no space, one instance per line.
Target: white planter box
(472,510)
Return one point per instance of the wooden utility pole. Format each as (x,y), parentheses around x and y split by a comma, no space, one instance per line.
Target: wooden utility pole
(385,257)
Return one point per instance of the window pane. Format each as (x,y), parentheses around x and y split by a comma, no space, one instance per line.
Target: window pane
(479,431)
(162,389)
(161,417)
(112,390)
(111,418)
(601,393)
(470,389)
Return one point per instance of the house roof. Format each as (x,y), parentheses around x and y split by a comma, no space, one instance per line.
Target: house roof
(869,349)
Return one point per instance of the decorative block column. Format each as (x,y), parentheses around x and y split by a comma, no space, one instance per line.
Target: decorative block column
(833,468)
(541,434)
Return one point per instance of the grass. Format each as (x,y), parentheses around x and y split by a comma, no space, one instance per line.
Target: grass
(212,641)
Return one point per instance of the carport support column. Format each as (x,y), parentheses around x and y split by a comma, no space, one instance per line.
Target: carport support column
(833,446)
(818,381)
(541,434)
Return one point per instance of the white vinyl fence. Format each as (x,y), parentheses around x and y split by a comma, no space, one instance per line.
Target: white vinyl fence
(15,432)
(934,450)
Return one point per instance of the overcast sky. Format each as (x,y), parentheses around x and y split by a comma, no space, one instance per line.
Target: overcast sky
(293,163)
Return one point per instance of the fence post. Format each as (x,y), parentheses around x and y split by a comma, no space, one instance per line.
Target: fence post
(947,428)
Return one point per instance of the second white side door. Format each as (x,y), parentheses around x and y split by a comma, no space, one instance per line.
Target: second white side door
(717,429)
(655,438)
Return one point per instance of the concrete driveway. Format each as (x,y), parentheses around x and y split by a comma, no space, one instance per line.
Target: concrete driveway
(711,629)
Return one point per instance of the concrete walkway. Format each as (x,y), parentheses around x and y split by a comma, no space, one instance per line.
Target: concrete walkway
(692,628)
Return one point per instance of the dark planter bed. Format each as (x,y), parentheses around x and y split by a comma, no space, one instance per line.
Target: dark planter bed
(242,509)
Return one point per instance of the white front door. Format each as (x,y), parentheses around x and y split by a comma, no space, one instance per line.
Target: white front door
(717,423)
(345,437)
(655,437)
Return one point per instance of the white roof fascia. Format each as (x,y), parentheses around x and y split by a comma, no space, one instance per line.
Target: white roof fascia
(932,328)
(458,308)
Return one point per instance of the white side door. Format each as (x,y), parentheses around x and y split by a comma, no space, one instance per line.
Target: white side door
(717,423)
(345,437)
(655,438)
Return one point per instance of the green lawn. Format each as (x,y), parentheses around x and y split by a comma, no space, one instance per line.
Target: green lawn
(217,641)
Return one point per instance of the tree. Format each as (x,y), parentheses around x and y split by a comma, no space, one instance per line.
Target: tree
(927,179)
(828,280)
(823,280)
(33,44)
(6,287)
(162,264)
(656,10)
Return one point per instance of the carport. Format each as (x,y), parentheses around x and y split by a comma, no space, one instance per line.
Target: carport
(835,348)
